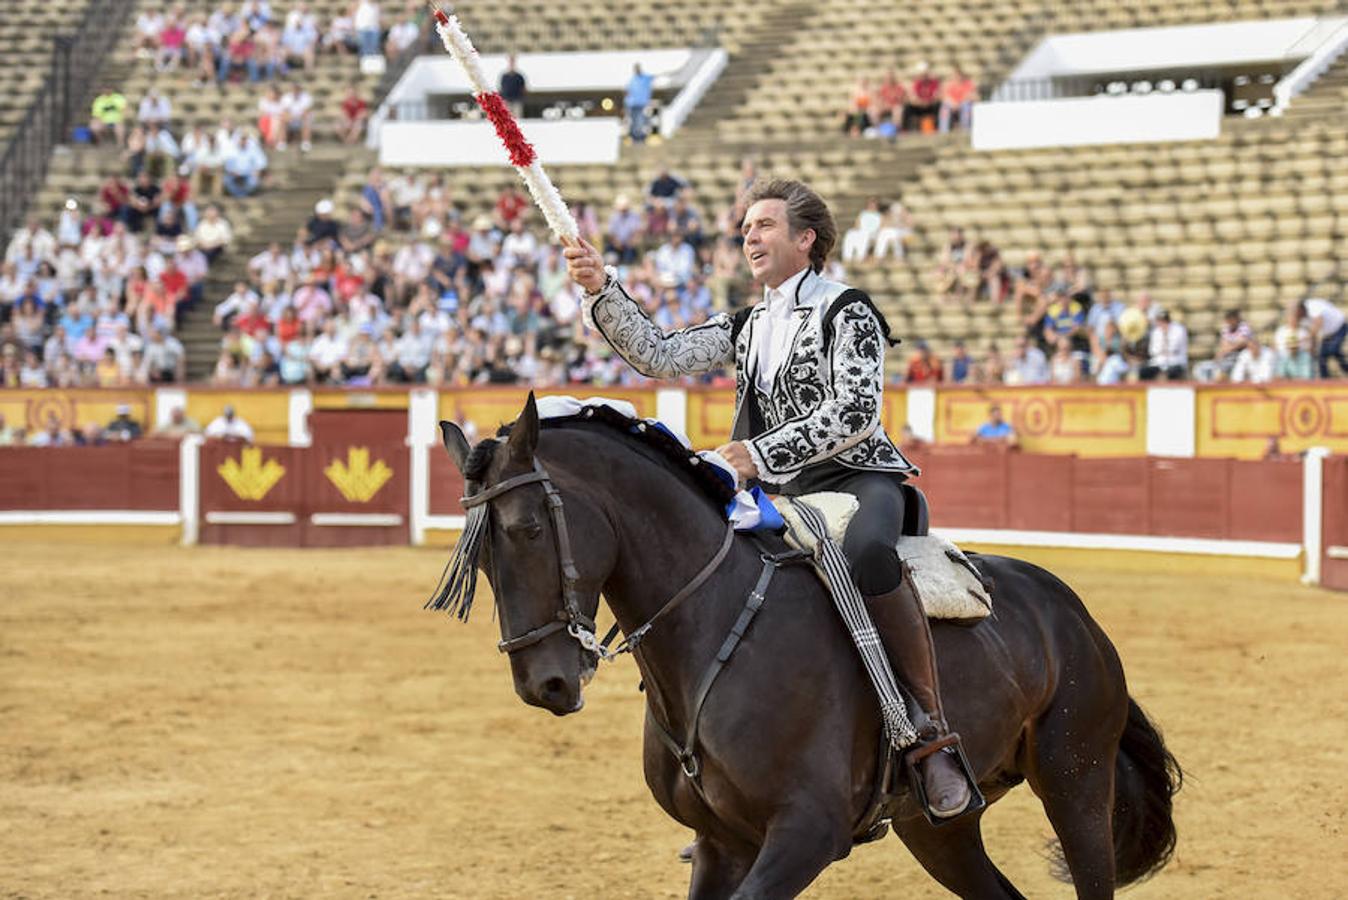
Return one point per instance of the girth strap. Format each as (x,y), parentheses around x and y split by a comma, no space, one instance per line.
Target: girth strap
(686,752)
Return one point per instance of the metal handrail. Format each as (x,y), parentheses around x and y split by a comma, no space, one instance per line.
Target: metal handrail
(75,61)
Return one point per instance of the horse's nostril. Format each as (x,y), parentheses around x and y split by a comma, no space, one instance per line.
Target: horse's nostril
(553,687)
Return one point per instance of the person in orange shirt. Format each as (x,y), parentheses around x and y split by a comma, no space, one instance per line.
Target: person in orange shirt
(858,117)
(958,100)
(924,366)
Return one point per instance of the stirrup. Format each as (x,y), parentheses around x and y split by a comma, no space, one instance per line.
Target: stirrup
(949,742)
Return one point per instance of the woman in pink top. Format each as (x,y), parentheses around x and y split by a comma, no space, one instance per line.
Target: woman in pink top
(960,92)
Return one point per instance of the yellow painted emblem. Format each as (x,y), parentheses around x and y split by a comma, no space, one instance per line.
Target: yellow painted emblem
(248,476)
(356,478)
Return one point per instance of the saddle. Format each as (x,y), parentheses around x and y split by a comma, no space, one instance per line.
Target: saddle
(946,581)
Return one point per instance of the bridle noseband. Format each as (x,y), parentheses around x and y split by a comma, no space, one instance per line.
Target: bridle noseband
(569,616)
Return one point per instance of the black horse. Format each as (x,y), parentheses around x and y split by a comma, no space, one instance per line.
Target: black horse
(787,758)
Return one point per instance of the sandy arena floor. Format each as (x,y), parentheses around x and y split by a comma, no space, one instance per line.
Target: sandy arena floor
(224,723)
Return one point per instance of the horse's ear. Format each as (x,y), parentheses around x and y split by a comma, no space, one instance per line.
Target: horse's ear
(524,433)
(456,445)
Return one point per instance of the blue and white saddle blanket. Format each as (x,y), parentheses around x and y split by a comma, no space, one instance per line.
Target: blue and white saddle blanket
(750,510)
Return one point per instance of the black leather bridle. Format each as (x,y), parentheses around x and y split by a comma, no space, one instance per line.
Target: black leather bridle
(569,615)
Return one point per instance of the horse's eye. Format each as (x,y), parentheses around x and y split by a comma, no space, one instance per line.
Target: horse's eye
(529,530)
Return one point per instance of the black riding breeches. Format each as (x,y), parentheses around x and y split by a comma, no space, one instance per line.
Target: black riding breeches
(870,544)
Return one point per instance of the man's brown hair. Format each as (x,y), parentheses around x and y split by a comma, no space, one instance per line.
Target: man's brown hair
(804,210)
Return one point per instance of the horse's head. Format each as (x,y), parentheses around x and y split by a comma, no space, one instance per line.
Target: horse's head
(540,556)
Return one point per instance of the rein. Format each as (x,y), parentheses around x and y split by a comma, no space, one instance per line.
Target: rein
(457,594)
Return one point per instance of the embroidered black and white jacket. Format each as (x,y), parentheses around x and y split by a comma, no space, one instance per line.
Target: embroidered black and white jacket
(824,402)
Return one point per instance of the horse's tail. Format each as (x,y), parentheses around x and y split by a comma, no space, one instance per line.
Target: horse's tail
(1146,778)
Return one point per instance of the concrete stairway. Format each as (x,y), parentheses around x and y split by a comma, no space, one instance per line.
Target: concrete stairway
(1327,97)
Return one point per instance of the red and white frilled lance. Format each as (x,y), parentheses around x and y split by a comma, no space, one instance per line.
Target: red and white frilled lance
(522,154)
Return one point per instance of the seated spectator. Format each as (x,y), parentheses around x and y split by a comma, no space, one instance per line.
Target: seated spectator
(924,100)
(245,167)
(199,50)
(948,277)
(676,259)
(299,39)
(268,58)
(164,360)
(858,117)
(1329,328)
(957,101)
(924,367)
(155,110)
(123,428)
(33,241)
(299,116)
(1168,356)
(987,271)
(1293,341)
(624,228)
(143,207)
(179,425)
(1064,367)
(149,25)
(895,228)
(961,365)
(1255,363)
(1235,336)
(1028,365)
(313,304)
(857,241)
(109,114)
(229,427)
(1064,317)
(341,35)
(228,309)
(403,35)
(664,188)
(357,235)
(1109,359)
(322,229)
(890,97)
(271,117)
(355,112)
(1031,284)
(213,234)
(201,162)
(366,19)
(996,431)
(236,56)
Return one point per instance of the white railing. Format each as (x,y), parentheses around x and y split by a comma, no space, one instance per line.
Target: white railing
(1299,80)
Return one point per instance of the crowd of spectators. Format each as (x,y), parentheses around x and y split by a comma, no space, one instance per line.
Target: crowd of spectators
(123,428)
(1072,332)
(924,104)
(248,41)
(403,287)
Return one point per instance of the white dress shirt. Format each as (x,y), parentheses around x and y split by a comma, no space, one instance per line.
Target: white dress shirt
(778,326)
(1169,345)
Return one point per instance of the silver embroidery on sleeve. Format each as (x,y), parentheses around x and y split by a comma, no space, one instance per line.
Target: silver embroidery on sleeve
(689,351)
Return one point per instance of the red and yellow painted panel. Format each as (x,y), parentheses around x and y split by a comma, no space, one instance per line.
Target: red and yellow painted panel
(30,409)
(489,407)
(1087,421)
(1238,421)
(268,412)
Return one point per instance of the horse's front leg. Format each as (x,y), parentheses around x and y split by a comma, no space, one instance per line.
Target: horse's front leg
(799,844)
(717,870)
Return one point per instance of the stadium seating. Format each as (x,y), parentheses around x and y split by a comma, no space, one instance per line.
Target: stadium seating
(26,32)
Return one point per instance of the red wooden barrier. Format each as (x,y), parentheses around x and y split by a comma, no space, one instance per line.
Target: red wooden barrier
(446,485)
(1334,557)
(137,476)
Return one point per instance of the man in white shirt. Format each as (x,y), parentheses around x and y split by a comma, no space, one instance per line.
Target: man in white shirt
(366,19)
(242,297)
(1029,365)
(272,264)
(1254,363)
(229,427)
(1330,326)
(32,241)
(677,259)
(155,110)
(1167,350)
(299,113)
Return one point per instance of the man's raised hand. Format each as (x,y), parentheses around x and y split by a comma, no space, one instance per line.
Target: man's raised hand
(584,264)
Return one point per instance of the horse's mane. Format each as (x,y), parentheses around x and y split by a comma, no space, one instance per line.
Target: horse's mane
(659,446)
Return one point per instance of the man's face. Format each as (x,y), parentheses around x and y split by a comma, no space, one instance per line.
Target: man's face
(773,252)
(995,415)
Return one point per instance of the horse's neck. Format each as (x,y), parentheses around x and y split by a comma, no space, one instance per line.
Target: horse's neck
(667,534)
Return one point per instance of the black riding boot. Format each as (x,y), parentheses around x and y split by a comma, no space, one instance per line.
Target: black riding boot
(902,623)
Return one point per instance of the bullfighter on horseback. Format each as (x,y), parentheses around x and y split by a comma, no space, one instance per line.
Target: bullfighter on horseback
(809,365)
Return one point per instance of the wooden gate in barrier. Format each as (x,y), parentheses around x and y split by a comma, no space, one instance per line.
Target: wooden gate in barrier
(338,492)
(1334,557)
